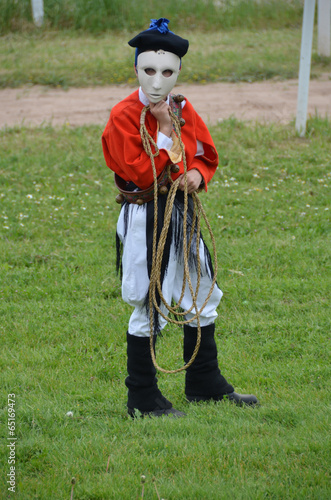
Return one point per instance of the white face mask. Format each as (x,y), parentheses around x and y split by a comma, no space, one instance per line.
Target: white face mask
(157,73)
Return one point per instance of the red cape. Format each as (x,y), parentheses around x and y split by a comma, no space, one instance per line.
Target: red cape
(124,152)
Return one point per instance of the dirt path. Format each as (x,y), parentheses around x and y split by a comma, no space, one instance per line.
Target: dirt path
(263,101)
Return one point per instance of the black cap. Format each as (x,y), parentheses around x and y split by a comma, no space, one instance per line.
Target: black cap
(158,37)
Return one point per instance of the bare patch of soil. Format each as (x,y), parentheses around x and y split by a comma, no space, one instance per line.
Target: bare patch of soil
(267,101)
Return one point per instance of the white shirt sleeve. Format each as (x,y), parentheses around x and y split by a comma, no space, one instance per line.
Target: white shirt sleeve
(164,142)
(200,150)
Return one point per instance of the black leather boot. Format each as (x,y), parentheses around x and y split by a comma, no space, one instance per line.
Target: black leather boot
(143,392)
(204,381)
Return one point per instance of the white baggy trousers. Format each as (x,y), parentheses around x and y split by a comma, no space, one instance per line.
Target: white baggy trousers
(135,281)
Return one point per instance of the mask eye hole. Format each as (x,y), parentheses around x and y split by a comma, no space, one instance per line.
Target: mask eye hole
(167,73)
(150,71)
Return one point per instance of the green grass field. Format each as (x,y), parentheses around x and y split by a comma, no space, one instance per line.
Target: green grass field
(67,59)
(63,323)
(105,15)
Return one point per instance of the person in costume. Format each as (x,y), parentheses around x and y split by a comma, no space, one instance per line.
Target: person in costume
(157,66)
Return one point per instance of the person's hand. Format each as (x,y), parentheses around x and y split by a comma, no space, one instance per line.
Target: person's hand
(194,179)
(160,111)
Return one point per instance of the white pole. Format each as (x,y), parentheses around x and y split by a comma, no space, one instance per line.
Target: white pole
(324,23)
(38,12)
(305,60)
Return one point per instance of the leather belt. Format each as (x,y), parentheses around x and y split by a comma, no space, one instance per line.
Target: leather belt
(139,197)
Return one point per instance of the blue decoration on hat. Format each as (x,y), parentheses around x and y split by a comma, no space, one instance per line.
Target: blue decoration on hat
(159,24)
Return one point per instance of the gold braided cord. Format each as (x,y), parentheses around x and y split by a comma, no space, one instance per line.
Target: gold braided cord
(158,246)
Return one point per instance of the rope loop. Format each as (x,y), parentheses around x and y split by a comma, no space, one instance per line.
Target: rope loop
(158,246)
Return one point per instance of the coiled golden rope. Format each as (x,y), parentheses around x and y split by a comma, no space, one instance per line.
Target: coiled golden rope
(158,246)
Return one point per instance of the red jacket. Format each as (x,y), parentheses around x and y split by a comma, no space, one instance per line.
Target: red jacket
(124,152)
